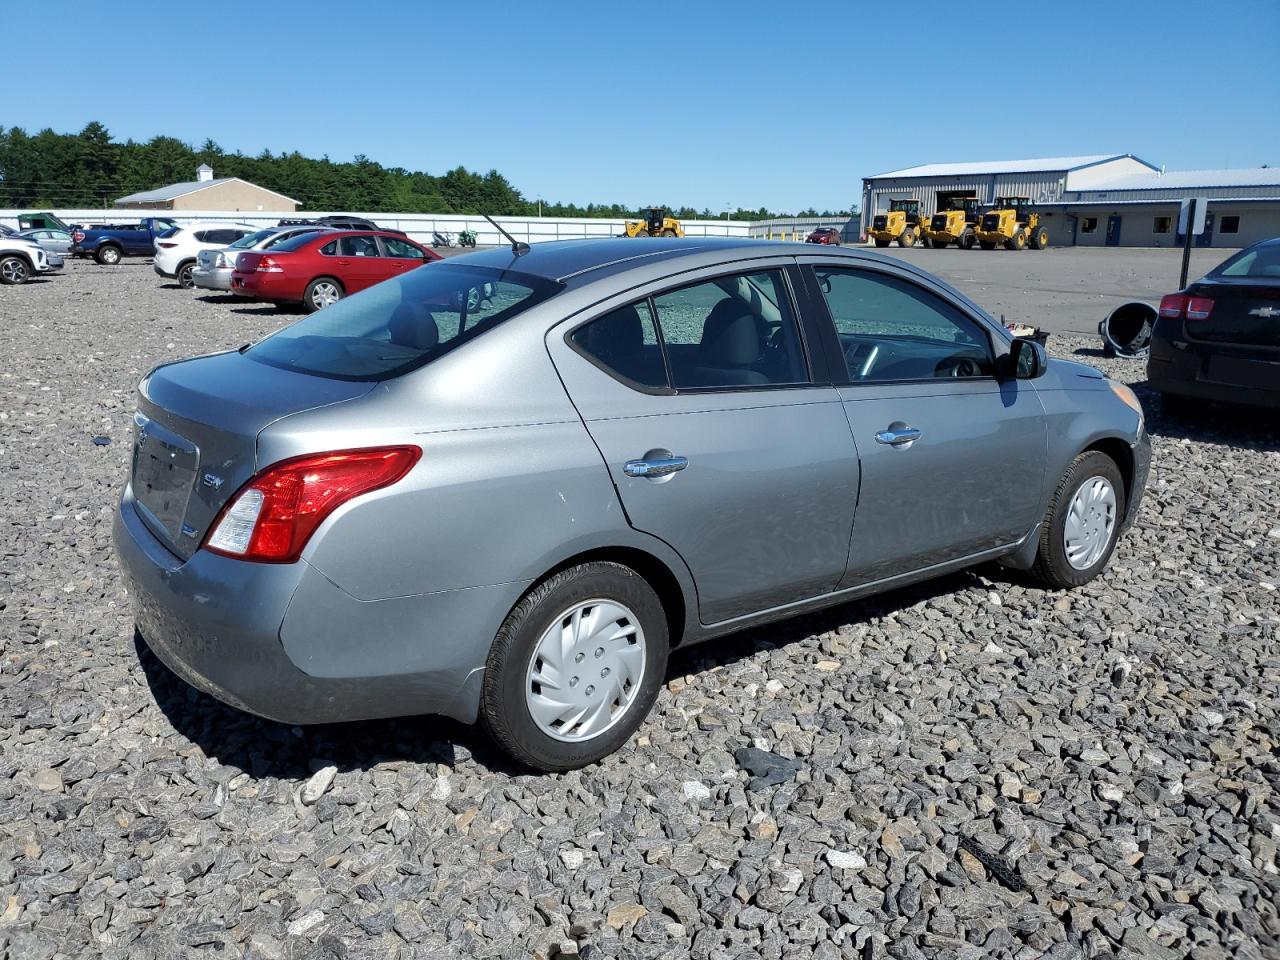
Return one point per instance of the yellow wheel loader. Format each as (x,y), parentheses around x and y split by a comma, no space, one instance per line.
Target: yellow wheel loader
(655,224)
(1011,223)
(902,223)
(956,224)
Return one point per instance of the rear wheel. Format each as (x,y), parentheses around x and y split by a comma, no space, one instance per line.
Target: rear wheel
(575,668)
(184,277)
(322,292)
(1082,523)
(642,232)
(967,241)
(108,255)
(13,271)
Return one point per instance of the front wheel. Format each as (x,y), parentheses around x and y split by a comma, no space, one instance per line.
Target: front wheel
(13,271)
(1039,238)
(576,667)
(321,293)
(1082,523)
(906,239)
(668,233)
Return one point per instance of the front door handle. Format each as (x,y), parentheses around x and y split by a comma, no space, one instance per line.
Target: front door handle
(898,434)
(654,467)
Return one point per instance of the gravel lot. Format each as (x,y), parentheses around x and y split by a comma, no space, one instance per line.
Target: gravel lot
(983,768)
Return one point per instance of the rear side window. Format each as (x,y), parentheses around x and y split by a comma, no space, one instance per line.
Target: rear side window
(625,343)
(402,323)
(731,333)
(891,329)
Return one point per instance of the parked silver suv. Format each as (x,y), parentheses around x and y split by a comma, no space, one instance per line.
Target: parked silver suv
(505,485)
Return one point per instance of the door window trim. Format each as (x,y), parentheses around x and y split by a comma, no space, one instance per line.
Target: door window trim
(670,389)
(996,346)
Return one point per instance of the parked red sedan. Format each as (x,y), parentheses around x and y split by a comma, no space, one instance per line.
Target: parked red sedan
(318,269)
(824,235)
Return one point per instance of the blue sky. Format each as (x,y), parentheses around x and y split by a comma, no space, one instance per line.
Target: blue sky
(703,103)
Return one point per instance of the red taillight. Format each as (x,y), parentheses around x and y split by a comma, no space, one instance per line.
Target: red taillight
(1173,305)
(273,516)
(167,246)
(268,265)
(1199,308)
(77,236)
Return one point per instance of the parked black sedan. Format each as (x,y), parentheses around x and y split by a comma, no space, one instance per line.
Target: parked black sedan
(1219,339)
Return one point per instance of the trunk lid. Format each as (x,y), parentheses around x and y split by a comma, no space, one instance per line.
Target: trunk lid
(195,436)
(1245,312)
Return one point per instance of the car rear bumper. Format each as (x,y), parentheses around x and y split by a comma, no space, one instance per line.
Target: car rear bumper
(161,271)
(1228,373)
(212,279)
(283,642)
(264,286)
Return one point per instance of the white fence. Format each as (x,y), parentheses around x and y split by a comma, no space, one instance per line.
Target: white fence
(419,226)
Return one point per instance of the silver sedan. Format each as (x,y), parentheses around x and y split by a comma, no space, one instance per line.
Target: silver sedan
(49,240)
(502,487)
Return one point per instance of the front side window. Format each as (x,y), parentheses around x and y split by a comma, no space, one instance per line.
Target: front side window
(891,329)
(1229,225)
(402,323)
(401,249)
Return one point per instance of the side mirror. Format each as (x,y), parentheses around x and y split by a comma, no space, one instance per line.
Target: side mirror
(1027,360)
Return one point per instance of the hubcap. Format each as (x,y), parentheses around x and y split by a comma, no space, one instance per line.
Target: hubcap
(325,295)
(15,271)
(110,255)
(585,671)
(1091,520)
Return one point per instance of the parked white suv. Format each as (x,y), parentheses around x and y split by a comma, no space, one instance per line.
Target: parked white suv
(22,259)
(176,252)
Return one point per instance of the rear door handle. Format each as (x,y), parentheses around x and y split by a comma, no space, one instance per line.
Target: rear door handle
(655,467)
(897,436)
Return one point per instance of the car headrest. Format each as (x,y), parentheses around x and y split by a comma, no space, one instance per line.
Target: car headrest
(617,335)
(412,325)
(730,336)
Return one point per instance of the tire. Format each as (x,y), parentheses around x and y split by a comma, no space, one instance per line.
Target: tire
(882,243)
(985,245)
(511,690)
(14,271)
(320,293)
(1039,238)
(1059,555)
(907,238)
(642,233)
(1018,241)
(183,275)
(108,255)
(668,233)
(967,241)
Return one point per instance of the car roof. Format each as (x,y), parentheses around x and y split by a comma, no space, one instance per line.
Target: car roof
(565,259)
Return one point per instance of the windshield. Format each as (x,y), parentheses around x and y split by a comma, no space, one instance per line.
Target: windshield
(248,241)
(1259,261)
(402,323)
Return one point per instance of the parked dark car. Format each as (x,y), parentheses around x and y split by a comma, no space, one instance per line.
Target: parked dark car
(504,487)
(1219,339)
(336,222)
(109,244)
(828,235)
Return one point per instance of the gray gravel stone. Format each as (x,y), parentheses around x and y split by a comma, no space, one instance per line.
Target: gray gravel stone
(1109,751)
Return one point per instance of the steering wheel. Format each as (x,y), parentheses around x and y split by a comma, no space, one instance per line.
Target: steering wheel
(965,367)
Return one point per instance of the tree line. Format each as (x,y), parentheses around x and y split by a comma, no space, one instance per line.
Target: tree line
(91,169)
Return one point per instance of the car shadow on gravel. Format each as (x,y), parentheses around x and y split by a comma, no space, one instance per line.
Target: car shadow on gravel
(1253,428)
(220,298)
(264,748)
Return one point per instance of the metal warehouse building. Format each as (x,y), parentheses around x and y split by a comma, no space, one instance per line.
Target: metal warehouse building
(1105,199)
